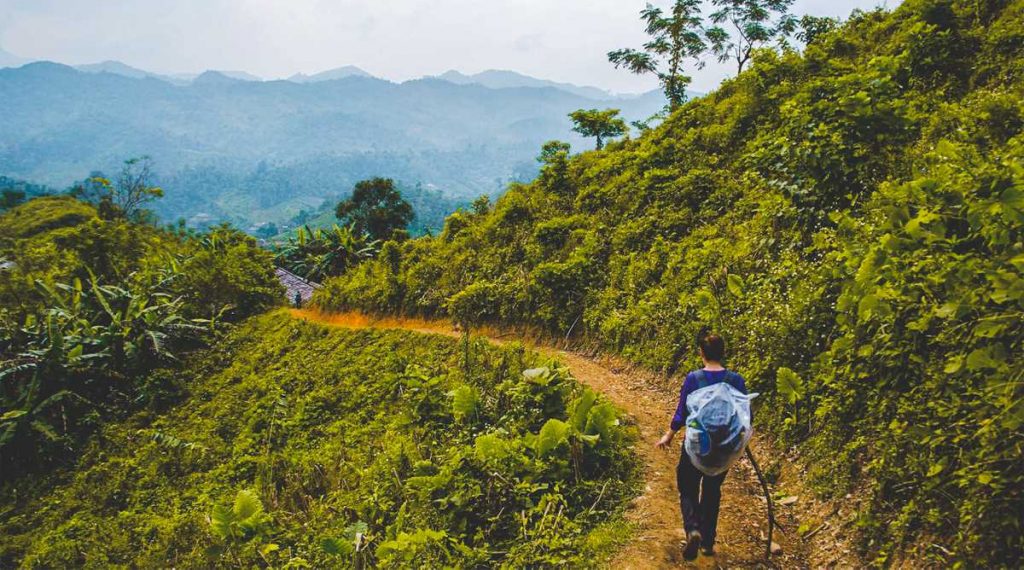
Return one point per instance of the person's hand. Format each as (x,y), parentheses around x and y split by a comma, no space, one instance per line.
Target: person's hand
(665,441)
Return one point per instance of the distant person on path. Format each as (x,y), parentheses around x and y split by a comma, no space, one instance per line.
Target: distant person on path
(700,495)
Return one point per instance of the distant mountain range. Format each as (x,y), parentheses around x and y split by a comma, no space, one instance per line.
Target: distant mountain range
(502,79)
(228,147)
(492,78)
(330,74)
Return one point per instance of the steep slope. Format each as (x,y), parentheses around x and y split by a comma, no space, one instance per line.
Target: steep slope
(849,217)
(351,448)
(649,403)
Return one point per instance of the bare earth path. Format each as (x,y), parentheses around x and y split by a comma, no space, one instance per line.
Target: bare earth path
(649,403)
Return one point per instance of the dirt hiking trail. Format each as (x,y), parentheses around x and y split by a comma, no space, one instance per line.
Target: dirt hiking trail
(649,404)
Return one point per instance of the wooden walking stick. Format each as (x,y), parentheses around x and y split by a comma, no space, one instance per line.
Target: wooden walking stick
(768,497)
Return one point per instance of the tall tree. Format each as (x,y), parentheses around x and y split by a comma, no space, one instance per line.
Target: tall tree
(127,197)
(598,124)
(752,23)
(376,209)
(674,38)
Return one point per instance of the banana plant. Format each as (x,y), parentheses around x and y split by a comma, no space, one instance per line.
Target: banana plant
(89,336)
(43,371)
(318,253)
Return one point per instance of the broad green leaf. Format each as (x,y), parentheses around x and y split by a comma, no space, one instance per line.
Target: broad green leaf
(465,400)
(989,328)
(735,284)
(247,505)
(491,447)
(980,359)
(221,520)
(356,529)
(789,385)
(581,409)
(268,548)
(552,434)
(602,420)
(336,547)
(866,306)
(537,375)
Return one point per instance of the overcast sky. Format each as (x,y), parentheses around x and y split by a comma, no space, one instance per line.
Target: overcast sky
(564,40)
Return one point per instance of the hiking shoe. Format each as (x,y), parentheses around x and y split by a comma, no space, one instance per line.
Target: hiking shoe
(708,550)
(692,544)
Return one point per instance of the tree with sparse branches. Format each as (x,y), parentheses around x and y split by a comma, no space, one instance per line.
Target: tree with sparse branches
(753,26)
(126,197)
(674,38)
(598,124)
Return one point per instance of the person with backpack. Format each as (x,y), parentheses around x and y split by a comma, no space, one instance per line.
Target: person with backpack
(716,434)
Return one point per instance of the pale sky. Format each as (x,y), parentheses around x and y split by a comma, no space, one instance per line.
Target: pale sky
(562,40)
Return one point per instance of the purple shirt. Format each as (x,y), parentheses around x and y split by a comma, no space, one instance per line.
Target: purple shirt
(690,385)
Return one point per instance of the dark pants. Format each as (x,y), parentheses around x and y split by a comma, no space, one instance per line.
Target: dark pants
(699,498)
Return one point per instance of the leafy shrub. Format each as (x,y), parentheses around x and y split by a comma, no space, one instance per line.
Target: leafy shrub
(371,448)
(90,309)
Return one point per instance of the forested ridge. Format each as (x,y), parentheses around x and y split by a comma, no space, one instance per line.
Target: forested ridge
(848,216)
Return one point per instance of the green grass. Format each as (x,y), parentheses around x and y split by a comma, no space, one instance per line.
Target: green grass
(44,214)
(334,429)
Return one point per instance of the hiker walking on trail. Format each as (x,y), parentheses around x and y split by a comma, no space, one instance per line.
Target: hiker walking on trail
(714,428)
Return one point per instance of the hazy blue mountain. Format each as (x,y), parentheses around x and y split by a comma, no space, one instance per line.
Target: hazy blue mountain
(8,59)
(117,68)
(189,77)
(503,79)
(256,152)
(330,74)
(125,70)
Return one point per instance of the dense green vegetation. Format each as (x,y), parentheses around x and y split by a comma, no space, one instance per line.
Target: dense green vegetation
(319,253)
(377,210)
(295,194)
(94,306)
(301,446)
(850,216)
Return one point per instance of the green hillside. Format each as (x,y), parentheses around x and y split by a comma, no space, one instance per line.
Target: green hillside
(850,217)
(94,308)
(310,447)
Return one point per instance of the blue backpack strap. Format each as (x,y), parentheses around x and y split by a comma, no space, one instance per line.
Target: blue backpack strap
(702,379)
(731,378)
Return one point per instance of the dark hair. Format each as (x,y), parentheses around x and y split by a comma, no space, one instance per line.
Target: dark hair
(713,347)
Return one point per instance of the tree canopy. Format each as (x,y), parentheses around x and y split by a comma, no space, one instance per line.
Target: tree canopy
(376,209)
(752,27)
(598,124)
(675,38)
